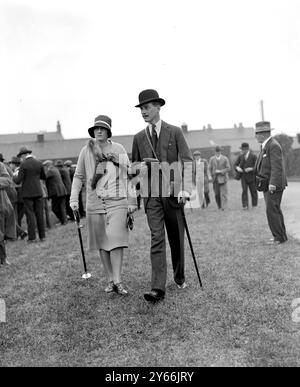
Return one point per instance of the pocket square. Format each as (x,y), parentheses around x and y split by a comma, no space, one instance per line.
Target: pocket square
(264,155)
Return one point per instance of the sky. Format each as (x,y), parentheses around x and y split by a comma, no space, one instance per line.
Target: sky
(213,61)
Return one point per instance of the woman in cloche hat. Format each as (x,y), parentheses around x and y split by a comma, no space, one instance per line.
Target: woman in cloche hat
(103,164)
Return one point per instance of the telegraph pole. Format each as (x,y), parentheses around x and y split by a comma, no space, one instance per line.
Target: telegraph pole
(262,110)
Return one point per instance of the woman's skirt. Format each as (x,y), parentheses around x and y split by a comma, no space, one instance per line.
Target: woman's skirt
(108,231)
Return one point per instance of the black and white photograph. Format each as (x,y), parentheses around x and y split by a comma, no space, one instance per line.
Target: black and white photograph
(149,186)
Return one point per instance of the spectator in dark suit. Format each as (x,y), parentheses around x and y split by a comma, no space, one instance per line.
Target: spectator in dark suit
(19,205)
(271,179)
(29,175)
(244,165)
(56,191)
(66,179)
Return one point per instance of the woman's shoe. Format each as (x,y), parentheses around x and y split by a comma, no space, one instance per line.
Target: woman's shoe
(110,287)
(119,288)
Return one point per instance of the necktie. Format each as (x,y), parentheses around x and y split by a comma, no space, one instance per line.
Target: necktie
(154,137)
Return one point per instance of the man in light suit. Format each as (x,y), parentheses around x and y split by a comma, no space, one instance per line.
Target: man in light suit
(219,167)
(270,167)
(164,189)
(244,165)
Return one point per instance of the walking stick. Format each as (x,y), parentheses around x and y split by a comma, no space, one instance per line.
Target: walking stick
(86,275)
(190,243)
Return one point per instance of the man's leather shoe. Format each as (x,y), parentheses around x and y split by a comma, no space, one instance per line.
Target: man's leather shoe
(154,296)
(275,242)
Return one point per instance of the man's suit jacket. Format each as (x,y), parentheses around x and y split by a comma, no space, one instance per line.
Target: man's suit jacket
(270,164)
(29,175)
(55,185)
(66,179)
(249,163)
(174,155)
(222,164)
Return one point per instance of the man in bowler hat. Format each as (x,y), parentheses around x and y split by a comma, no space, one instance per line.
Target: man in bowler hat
(244,165)
(29,175)
(164,192)
(270,167)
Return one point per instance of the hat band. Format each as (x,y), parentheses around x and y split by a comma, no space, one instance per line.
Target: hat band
(102,122)
(263,128)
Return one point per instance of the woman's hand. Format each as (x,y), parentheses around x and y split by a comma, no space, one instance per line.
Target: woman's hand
(74,206)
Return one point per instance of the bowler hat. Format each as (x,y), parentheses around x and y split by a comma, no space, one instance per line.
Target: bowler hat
(102,122)
(262,126)
(1,157)
(15,160)
(59,163)
(244,145)
(218,148)
(149,95)
(23,151)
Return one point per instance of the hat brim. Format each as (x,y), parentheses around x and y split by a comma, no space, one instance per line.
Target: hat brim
(258,130)
(160,100)
(24,153)
(91,130)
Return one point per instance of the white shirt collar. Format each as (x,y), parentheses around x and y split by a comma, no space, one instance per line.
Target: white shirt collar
(265,142)
(157,128)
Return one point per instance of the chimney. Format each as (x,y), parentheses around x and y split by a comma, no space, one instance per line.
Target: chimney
(298,137)
(184,128)
(58,127)
(209,127)
(40,137)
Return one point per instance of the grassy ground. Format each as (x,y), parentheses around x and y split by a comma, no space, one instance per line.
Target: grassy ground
(242,318)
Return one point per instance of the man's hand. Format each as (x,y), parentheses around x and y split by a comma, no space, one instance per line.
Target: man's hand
(249,169)
(74,206)
(239,169)
(272,188)
(183,196)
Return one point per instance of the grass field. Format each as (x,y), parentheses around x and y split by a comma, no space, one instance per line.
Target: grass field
(242,318)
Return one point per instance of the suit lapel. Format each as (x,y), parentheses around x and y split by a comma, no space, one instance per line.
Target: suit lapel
(146,143)
(163,140)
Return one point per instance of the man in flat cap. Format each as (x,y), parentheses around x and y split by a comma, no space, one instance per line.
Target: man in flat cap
(157,147)
(244,165)
(218,167)
(271,179)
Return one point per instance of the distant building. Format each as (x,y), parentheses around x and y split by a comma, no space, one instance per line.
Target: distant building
(52,145)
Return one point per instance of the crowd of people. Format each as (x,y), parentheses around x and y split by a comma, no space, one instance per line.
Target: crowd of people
(163,172)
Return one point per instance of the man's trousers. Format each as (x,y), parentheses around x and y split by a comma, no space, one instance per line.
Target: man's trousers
(161,213)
